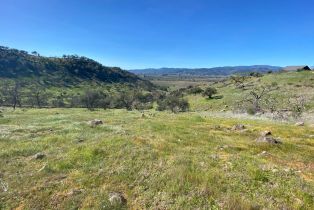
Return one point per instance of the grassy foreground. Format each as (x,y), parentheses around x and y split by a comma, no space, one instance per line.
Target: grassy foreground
(157,161)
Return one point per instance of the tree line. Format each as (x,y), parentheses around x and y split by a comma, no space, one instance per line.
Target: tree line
(20,93)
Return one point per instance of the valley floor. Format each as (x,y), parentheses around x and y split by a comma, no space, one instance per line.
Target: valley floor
(158,160)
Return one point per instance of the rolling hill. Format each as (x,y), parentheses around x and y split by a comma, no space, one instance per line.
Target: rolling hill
(217,71)
(62,71)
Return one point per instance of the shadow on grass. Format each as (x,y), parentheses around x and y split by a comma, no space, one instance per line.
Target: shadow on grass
(216,97)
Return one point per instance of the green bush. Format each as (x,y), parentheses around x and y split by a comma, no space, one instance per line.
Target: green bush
(209,92)
(250,110)
(195,90)
(174,104)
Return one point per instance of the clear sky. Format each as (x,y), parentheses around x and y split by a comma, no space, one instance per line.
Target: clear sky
(164,33)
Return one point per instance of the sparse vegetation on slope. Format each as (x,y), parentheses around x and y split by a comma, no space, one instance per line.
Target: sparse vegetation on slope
(63,71)
(282,94)
(31,80)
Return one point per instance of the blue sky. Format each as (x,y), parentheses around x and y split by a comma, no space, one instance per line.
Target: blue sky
(164,33)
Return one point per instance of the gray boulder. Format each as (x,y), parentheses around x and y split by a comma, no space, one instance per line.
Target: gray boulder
(266,136)
(299,124)
(95,122)
(116,198)
(38,156)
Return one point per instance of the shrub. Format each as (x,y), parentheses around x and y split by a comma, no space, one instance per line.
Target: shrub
(250,110)
(195,90)
(174,104)
(92,98)
(178,93)
(255,74)
(209,92)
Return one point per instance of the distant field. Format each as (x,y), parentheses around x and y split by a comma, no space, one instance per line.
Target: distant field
(158,160)
(175,82)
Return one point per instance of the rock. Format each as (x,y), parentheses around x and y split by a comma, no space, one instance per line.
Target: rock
(217,127)
(4,185)
(266,136)
(222,147)
(264,153)
(116,198)
(74,192)
(266,133)
(238,127)
(95,122)
(38,156)
(299,124)
(214,157)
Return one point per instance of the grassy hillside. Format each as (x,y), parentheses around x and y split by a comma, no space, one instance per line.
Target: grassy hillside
(157,161)
(289,84)
(31,80)
(61,71)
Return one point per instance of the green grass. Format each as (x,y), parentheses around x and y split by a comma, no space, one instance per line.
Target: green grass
(290,84)
(161,161)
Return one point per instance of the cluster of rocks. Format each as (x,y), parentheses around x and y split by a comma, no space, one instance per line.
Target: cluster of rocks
(266,136)
(238,127)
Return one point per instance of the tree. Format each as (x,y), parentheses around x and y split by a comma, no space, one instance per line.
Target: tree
(35,53)
(92,98)
(255,74)
(258,94)
(209,92)
(195,90)
(11,93)
(239,81)
(126,99)
(297,105)
(58,100)
(175,104)
(37,94)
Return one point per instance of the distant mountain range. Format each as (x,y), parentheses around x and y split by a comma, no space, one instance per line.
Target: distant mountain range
(61,71)
(216,71)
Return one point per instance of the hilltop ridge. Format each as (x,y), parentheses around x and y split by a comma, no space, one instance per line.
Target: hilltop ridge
(61,71)
(215,71)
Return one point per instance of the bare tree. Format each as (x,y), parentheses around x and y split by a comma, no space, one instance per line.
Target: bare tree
(239,81)
(11,93)
(37,95)
(16,94)
(259,93)
(297,105)
(93,98)
(258,99)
